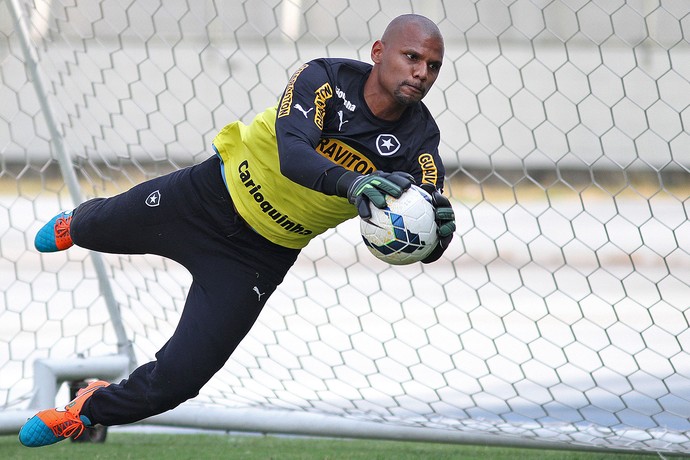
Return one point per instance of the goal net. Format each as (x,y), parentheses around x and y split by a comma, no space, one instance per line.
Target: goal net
(560,312)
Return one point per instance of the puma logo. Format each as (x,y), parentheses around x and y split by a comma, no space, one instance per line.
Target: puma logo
(342,122)
(258,293)
(301,109)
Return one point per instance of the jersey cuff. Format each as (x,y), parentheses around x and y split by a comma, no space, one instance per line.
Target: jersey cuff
(344,181)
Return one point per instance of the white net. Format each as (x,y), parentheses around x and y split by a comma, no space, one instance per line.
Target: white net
(560,312)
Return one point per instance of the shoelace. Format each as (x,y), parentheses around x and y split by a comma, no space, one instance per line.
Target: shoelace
(69,427)
(62,227)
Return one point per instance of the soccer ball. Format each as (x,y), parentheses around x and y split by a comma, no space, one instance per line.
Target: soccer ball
(404,231)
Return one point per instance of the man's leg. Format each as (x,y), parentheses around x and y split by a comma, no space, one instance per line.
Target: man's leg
(234,271)
(213,323)
(150,218)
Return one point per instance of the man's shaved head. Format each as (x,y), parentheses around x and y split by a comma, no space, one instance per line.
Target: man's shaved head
(398,25)
(407,60)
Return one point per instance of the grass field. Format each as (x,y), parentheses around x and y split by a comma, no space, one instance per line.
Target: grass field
(196,446)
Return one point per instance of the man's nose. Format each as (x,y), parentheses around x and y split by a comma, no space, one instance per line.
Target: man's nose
(421,71)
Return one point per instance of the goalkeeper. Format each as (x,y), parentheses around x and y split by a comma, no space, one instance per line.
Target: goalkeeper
(343,134)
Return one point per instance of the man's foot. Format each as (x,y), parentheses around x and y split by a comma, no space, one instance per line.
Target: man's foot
(54,236)
(53,425)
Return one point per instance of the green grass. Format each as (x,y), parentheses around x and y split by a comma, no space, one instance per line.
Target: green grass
(202,446)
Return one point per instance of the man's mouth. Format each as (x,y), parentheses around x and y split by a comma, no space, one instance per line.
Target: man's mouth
(415,88)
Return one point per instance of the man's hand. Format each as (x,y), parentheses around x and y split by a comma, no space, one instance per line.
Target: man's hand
(374,187)
(445,221)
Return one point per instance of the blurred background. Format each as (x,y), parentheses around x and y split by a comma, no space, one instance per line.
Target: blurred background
(559,314)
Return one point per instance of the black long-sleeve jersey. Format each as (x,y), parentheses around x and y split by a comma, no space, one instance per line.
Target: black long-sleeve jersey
(282,168)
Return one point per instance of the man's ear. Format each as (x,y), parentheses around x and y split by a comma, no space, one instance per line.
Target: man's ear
(376,51)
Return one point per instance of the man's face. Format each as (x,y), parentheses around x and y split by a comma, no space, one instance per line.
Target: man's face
(409,63)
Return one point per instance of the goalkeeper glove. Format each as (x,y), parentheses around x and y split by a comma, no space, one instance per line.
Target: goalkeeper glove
(374,187)
(445,221)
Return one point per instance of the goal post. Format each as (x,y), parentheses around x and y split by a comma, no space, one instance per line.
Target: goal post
(559,315)
(67,170)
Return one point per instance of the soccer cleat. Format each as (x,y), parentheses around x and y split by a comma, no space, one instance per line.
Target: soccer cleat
(54,236)
(53,425)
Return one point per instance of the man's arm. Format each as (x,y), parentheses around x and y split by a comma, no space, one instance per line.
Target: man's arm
(299,125)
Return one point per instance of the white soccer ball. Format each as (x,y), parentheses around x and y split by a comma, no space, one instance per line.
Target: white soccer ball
(403,232)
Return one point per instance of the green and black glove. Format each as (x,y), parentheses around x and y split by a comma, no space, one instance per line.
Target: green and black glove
(445,221)
(374,187)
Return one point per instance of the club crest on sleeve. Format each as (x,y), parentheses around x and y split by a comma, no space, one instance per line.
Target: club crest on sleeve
(154,199)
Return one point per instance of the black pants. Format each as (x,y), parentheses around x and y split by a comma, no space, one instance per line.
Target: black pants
(186,216)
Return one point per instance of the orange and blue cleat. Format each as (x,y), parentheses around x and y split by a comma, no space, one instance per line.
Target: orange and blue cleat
(54,236)
(54,425)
